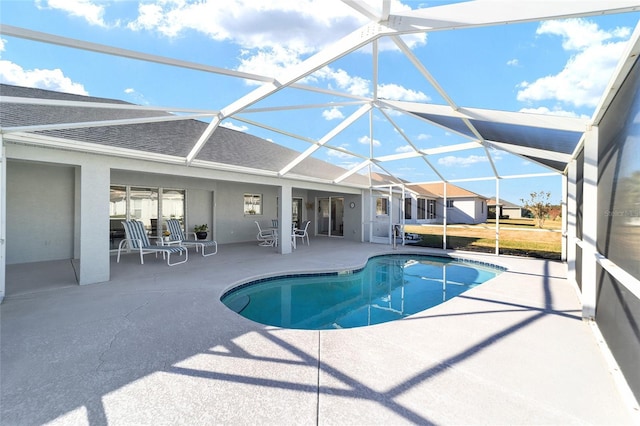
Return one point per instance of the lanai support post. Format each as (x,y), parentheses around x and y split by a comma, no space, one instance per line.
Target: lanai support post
(498,213)
(571,220)
(590,224)
(3,218)
(285,220)
(444,218)
(95,178)
(563,212)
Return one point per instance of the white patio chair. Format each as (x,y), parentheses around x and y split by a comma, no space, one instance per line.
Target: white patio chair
(136,238)
(176,234)
(266,238)
(302,233)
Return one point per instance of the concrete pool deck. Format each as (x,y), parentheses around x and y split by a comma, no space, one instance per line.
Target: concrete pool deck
(156,346)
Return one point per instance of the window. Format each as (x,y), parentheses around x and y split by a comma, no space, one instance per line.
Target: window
(407,208)
(422,208)
(431,209)
(172,206)
(252,203)
(449,204)
(382,206)
(152,206)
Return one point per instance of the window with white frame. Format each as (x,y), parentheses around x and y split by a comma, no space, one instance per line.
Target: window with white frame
(407,208)
(382,206)
(422,208)
(253,204)
(449,204)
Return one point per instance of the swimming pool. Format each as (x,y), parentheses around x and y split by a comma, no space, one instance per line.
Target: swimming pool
(389,287)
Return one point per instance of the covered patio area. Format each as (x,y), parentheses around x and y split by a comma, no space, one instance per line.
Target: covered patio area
(155,345)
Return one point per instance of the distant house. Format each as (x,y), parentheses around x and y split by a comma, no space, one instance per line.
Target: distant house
(506,209)
(426,204)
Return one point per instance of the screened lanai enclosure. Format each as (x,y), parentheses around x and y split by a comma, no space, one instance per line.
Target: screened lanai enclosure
(228,160)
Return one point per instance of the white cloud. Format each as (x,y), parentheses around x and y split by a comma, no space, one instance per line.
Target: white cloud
(580,34)
(423,136)
(396,92)
(303,25)
(587,72)
(365,140)
(332,114)
(513,62)
(274,35)
(55,79)
(341,79)
(332,153)
(405,148)
(555,111)
(232,126)
(453,161)
(338,154)
(136,96)
(269,61)
(88,10)
(2,43)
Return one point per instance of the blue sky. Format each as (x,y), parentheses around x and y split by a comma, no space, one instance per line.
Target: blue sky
(531,67)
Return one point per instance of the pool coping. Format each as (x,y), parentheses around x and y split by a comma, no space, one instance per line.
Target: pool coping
(156,345)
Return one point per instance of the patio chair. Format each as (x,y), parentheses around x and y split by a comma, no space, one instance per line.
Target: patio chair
(176,234)
(302,233)
(266,238)
(136,239)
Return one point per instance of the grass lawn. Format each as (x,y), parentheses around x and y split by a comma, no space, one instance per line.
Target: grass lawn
(518,237)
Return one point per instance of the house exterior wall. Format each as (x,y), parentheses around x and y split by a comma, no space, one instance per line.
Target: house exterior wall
(512,212)
(40,212)
(481,211)
(352,217)
(414,211)
(467,211)
(39,176)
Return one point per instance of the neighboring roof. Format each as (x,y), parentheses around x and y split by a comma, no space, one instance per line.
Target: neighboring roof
(503,203)
(436,190)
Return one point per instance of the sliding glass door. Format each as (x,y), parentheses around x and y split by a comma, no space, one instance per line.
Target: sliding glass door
(330,216)
(145,205)
(117,213)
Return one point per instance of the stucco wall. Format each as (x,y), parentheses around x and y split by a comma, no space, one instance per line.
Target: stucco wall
(40,212)
(466,210)
(44,212)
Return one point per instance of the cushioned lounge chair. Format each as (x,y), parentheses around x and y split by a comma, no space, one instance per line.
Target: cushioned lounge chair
(176,234)
(136,239)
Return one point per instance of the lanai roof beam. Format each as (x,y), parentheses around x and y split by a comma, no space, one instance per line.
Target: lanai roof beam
(326,138)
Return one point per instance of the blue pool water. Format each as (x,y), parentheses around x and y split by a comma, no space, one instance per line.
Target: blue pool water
(388,288)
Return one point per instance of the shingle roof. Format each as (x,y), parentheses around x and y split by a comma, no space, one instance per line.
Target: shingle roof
(226,146)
